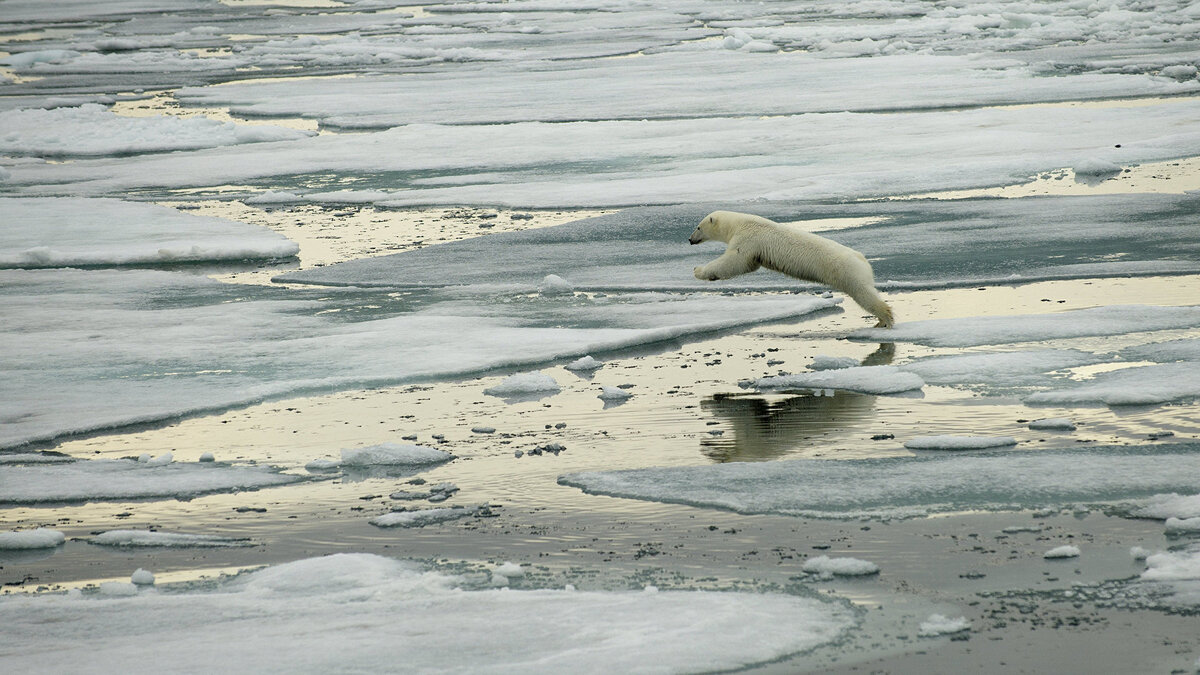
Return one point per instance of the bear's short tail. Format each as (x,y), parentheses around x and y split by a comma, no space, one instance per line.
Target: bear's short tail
(874,303)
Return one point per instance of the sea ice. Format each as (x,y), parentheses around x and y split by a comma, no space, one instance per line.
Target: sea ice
(107,479)
(959,442)
(822,362)
(1182,565)
(1066,551)
(999,369)
(29,539)
(421,518)
(523,384)
(938,624)
(140,538)
(394,614)
(393,454)
(911,486)
(584,364)
(142,577)
(863,379)
(1053,424)
(1182,525)
(73,231)
(826,566)
(608,393)
(118,589)
(91,129)
(1146,385)
(1166,506)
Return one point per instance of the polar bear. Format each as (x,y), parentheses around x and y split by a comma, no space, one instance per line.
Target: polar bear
(753,242)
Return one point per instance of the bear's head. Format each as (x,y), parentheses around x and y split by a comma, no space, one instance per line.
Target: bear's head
(712,228)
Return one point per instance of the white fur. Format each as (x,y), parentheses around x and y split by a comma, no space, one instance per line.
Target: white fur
(753,241)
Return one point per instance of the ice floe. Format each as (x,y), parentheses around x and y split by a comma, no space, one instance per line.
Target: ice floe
(1000,369)
(107,479)
(524,384)
(862,379)
(1066,551)
(1182,525)
(30,539)
(911,486)
(584,364)
(59,232)
(92,129)
(827,567)
(394,454)
(421,517)
(104,348)
(147,538)
(1052,424)
(1147,385)
(142,577)
(394,614)
(1165,506)
(959,442)
(938,624)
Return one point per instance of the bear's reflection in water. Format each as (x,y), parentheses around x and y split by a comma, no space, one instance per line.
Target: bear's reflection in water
(761,428)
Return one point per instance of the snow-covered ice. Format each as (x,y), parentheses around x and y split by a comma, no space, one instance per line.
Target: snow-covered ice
(67,231)
(863,379)
(394,454)
(142,577)
(1052,424)
(394,614)
(28,539)
(92,129)
(948,442)
(108,479)
(422,517)
(584,364)
(823,362)
(524,384)
(147,538)
(827,566)
(1169,505)
(911,486)
(1147,385)
(1182,525)
(613,394)
(938,624)
(1065,551)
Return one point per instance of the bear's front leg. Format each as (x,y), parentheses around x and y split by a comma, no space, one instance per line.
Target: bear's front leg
(731,264)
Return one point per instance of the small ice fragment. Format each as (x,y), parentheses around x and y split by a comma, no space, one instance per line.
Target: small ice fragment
(144,457)
(937,625)
(849,567)
(524,383)
(483,430)
(586,363)
(142,577)
(30,539)
(1096,167)
(958,442)
(207,457)
(510,570)
(1183,525)
(273,197)
(393,454)
(118,589)
(613,394)
(419,518)
(162,460)
(1067,551)
(553,284)
(822,362)
(650,589)
(1053,424)
(1139,553)
(323,465)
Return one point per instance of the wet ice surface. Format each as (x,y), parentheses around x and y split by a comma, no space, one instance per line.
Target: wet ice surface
(391,613)
(619,103)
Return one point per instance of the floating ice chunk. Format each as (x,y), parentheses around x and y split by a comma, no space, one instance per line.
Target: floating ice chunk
(1172,350)
(34,458)
(161,460)
(91,129)
(1017,368)
(822,362)
(483,430)
(553,284)
(1053,424)
(510,570)
(420,518)
(1166,506)
(1173,566)
(608,393)
(1182,525)
(142,577)
(100,480)
(118,589)
(145,538)
(846,567)
(397,614)
(863,379)
(273,197)
(994,330)
(1066,551)
(207,457)
(1139,553)
(938,624)
(1147,385)
(959,442)
(26,60)
(1096,167)
(586,364)
(323,464)
(913,485)
(1180,72)
(30,539)
(392,454)
(523,384)
(64,231)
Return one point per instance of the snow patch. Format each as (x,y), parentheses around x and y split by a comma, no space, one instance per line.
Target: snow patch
(30,539)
